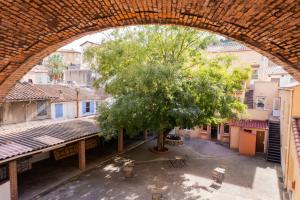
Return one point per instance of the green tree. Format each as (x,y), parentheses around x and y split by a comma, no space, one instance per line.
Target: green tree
(56,66)
(160,78)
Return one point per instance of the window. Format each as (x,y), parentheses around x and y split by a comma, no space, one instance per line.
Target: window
(204,127)
(260,102)
(88,107)
(226,128)
(41,108)
(254,75)
(59,110)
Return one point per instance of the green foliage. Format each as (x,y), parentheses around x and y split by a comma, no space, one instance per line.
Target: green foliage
(160,78)
(56,66)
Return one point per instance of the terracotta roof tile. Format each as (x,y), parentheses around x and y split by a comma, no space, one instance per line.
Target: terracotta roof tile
(25,92)
(250,124)
(65,93)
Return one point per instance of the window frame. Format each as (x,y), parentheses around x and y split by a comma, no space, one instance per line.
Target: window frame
(43,112)
(62,113)
(264,103)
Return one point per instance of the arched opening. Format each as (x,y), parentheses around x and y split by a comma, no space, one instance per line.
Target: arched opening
(269,28)
(215,133)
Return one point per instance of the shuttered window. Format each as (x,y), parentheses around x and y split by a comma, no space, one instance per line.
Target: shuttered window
(59,110)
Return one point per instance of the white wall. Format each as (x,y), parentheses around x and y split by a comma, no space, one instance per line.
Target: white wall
(5,191)
(69,110)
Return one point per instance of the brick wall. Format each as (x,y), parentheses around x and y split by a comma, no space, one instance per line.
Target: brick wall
(30,30)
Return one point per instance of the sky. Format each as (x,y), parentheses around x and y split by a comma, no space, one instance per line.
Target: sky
(96,38)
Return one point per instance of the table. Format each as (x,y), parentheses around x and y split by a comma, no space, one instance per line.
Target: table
(177,162)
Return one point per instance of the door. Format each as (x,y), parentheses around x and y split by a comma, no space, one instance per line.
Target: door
(260,141)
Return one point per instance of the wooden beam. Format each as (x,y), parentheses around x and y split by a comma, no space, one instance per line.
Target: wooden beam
(13,179)
(81,155)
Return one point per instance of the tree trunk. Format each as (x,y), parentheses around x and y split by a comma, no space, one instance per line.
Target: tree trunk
(161,141)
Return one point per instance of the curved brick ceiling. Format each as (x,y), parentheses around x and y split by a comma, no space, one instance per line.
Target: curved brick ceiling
(31,29)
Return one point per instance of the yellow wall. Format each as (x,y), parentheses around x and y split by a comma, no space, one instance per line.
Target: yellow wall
(296,102)
(294,171)
(234,137)
(256,114)
(247,144)
(290,99)
(268,90)
(285,124)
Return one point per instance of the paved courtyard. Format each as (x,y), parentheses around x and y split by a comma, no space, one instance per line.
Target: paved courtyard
(247,178)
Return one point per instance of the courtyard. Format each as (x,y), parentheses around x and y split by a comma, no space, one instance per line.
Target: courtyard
(245,178)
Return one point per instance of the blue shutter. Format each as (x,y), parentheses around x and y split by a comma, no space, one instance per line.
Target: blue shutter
(92,107)
(59,110)
(83,107)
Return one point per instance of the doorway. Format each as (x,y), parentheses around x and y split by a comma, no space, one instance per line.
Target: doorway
(260,141)
(214,132)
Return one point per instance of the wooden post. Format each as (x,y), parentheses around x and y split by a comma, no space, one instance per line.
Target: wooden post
(221,131)
(145,135)
(209,131)
(121,140)
(81,154)
(13,179)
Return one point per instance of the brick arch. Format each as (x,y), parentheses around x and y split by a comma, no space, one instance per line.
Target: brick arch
(30,30)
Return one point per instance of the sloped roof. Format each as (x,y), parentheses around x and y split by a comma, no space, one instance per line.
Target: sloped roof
(227,47)
(14,142)
(64,93)
(296,132)
(26,92)
(39,69)
(275,70)
(258,124)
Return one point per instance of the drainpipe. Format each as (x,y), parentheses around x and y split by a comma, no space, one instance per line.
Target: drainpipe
(289,140)
(77,102)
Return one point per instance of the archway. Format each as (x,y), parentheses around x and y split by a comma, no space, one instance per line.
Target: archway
(30,30)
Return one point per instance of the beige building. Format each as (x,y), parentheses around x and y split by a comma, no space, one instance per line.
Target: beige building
(25,102)
(290,138)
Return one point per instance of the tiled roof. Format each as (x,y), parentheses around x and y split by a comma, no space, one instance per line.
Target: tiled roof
(15,142)
(65,93)
(258,124)
(39,69)
(296,131)
(25,92)
(227,47)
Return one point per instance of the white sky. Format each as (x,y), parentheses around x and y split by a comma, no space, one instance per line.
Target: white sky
(96,37)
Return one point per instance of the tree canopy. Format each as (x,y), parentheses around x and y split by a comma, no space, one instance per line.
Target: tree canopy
(56,66)
(160,77)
